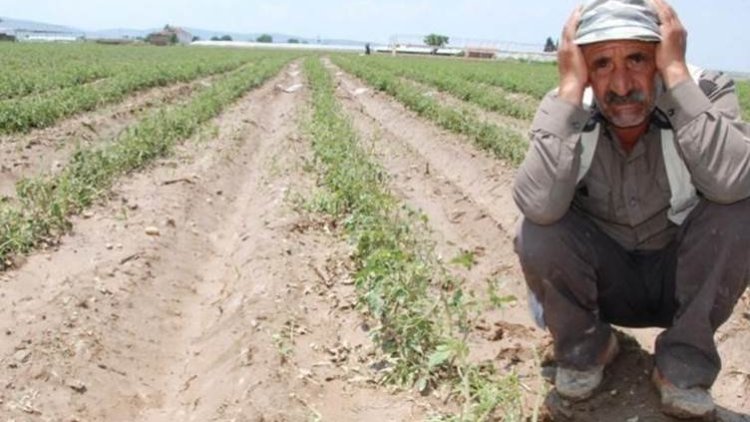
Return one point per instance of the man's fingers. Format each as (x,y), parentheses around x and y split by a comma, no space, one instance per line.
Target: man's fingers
(569,30)
(666,12)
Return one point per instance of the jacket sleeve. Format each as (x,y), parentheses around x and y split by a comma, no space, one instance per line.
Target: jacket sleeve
(546,181)
(713,141)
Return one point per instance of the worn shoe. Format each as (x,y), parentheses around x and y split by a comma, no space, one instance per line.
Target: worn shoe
(576,385)
(683,403)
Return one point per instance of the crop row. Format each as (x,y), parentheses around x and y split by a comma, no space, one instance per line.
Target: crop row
(46,203)
(504,142)
(530,78)
(437,74)
(37,111)
(422,314)
(36,68)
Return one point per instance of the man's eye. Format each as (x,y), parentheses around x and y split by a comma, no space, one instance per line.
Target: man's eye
(638,58)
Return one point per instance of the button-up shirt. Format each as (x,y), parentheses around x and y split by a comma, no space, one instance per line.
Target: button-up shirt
(627,194)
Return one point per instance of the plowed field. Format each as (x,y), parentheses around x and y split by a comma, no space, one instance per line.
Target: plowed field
(209,284)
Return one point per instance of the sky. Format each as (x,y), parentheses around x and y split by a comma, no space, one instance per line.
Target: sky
(719,37)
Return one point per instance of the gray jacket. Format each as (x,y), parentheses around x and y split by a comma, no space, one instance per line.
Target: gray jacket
(628,195)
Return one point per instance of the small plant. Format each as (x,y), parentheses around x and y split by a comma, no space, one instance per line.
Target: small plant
(466,259)
(495,299)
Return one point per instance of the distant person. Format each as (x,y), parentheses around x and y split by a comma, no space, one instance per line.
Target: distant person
(367,49)
(634,195)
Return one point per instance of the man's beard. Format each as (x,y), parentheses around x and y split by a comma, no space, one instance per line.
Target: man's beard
(627,118)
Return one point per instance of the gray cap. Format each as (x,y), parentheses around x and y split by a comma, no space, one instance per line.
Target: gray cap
(606,20)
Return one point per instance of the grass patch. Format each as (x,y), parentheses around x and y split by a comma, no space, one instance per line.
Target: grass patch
(743,91)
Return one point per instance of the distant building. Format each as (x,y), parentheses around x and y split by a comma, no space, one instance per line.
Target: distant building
(15,30)
(480,52)
(170,35)
(46,37)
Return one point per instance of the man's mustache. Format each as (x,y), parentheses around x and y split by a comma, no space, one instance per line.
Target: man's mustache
(632,97)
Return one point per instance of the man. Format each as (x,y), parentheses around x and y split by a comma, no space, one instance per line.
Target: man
(635,202)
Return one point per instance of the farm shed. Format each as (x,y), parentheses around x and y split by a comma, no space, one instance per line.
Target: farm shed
(170,35)
(480,53)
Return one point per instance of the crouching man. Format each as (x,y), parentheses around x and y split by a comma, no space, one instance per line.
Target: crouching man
(634,194)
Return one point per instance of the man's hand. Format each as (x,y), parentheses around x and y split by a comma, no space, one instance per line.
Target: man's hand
(574,76)
(670,52)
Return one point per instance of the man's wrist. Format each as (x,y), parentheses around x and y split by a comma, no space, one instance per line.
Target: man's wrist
(675,74)
(571,93)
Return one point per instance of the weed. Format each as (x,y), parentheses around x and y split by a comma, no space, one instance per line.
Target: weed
(495,299)
(466,259)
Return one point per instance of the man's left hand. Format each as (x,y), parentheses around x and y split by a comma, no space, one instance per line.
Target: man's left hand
(670,52)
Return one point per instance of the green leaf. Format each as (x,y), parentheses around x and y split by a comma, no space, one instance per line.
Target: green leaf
(466,259)
(442,354)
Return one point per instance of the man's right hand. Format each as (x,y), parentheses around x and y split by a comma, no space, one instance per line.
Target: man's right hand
(574,76)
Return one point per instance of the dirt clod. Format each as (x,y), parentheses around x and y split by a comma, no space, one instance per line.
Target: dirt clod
(77,385)
(152,231)
(22,356)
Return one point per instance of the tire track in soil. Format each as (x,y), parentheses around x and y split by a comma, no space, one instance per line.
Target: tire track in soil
(45,151)
(466,195)
(240,309)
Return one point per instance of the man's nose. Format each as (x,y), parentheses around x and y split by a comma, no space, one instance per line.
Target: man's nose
(621,82)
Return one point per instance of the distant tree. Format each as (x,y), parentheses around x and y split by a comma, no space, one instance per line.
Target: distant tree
(196,38)
(264,38)
(436,40)
(215,38)
(173,39)
(550,46)
(292,41)
(225,38)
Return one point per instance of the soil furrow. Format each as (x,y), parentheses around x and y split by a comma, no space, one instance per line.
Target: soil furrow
(483,178)
(45,151)
(444,98)
(198,292)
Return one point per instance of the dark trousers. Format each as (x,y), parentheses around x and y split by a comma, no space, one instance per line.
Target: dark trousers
(586,281)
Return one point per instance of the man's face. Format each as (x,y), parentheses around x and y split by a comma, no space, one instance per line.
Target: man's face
(622,76)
